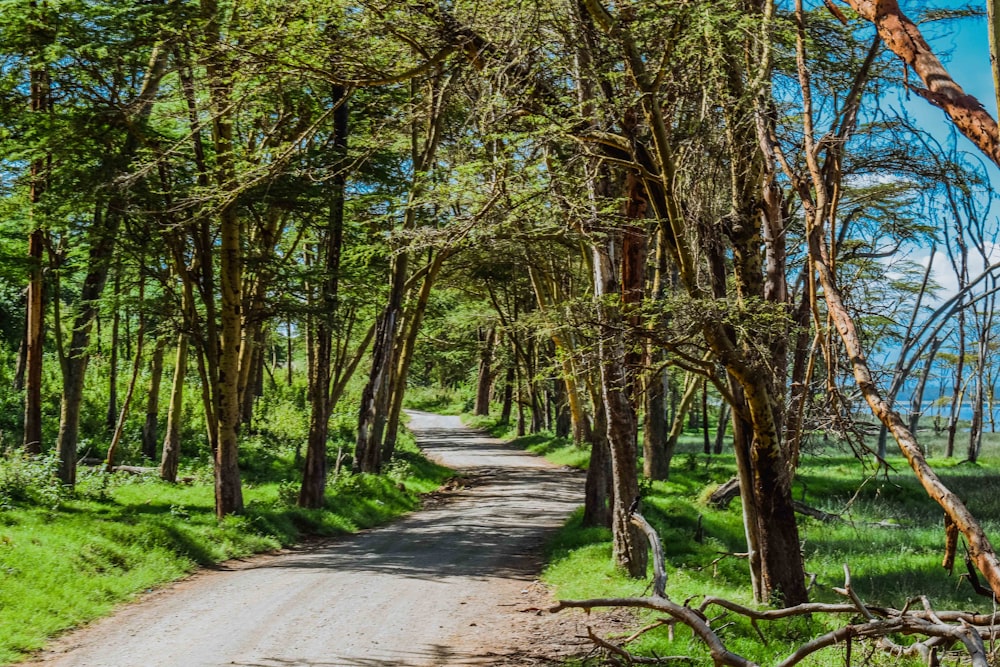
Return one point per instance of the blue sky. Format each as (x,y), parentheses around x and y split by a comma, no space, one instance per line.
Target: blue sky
(964,48)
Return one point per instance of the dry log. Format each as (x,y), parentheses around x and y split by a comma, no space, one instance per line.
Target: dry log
(659,571)
(134,470)
(724,495)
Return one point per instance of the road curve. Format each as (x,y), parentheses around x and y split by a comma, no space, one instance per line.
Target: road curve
(437,587)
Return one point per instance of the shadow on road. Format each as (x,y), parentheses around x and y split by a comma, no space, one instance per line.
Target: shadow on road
(495,528)
(430,654)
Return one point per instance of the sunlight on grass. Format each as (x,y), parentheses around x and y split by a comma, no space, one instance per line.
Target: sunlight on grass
(122,535)
(890,565)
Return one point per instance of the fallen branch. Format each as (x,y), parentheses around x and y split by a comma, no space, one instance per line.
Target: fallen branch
(940,627)
(134,470)
(659,571)
(634,659)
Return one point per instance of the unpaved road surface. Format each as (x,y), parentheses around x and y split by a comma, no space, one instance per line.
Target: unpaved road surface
(452,584)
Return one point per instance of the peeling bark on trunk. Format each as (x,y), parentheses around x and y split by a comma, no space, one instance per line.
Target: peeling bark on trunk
(903,37)
(628,542)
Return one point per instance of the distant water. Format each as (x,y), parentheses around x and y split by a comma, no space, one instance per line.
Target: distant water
(930,410)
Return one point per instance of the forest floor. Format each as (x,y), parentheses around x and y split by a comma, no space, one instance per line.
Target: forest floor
(452,584)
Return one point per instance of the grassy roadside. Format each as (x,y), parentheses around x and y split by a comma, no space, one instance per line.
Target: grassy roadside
(889,564)
(67,560)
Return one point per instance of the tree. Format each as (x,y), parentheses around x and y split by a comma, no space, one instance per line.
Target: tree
(904,38)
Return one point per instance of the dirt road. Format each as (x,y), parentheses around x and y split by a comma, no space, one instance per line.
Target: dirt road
(447,585)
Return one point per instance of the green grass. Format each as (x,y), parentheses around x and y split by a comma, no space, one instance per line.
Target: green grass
(440,400)
(889,565)
(66,562)
(557,450)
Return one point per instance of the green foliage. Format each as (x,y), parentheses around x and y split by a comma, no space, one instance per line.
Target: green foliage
(29,479)
(558,450)
(442,400)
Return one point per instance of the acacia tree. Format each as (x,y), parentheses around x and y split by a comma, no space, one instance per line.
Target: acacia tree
(748,223)
(816,192)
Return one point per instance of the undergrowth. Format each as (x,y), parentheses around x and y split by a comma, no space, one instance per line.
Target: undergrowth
(890,563)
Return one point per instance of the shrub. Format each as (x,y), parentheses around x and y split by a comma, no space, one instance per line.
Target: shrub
(28,478)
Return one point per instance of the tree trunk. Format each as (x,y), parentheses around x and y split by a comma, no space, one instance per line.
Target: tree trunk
(255,367)
(288,353)
(597,489)
(172,438)
(111,416)
(720,430)
(707,444)
(376,396)
(628,542)
(958,388)
(564,417)
(149,439)
(980,549)
(22,362)
(917,400)
(116,435)
(405,356)
(742,448)
(521,427)
(655,458)
(105,227)
(228,489)
(313,490)
(485,378)
(508,395)
(681,411)
(33,375)
(40,103)
(978,399)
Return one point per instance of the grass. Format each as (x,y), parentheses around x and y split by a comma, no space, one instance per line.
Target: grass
(889,565)
(67,560)
(440,400)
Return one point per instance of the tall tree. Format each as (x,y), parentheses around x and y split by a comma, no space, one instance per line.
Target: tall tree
(42,35)
(330,242)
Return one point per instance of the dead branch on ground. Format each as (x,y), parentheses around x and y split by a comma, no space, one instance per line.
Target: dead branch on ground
(940,628)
